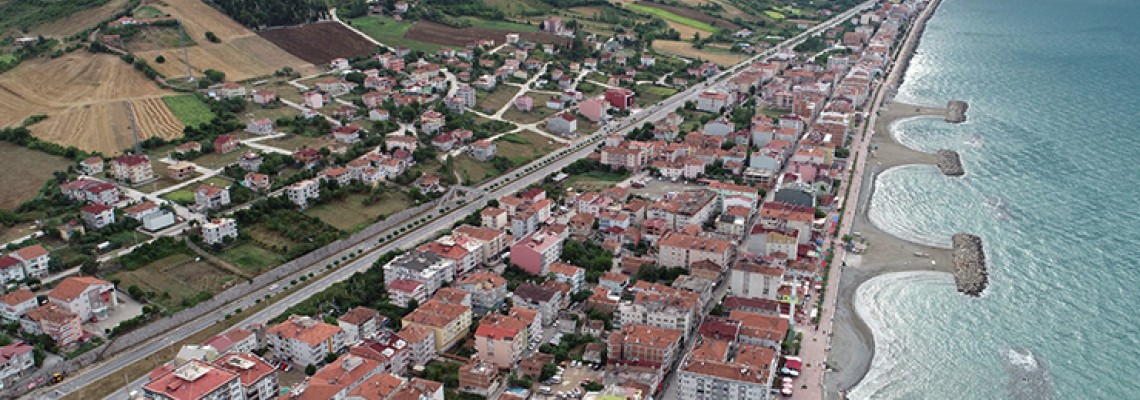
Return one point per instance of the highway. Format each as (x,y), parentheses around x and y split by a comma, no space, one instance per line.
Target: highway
(521,178)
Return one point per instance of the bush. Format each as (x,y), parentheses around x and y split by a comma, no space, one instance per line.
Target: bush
(160,59)
(212,37)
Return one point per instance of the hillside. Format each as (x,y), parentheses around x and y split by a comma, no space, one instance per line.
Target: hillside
(27,15)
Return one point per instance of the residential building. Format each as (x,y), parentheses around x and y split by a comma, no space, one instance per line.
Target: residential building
(250,161)
(97,215)
(216,230)
(140,211)
(478,378)
(619,98)
(536,252)
(644,346)
(234,341)
(339,377)
(752,279)
(181,170)
(257,377)
(494,218)
(210,197)
(256,182)
(493,241)
(681,250)
(714,101)
(570,275)
(33,259)
(16,358)
(563,123)
(685,208)
(89,298)
(403,292)
(742,372)
(132,169)
(392,352)
(483,150)
(761,329)
(501,340)
(420,266)
(303,340)
(488,291)
(302,191)
(226,144)
(360,323)
(16,303)
(421,342)
(91,166)
(662,307)
(53,320)
(195,380)
(544,299)
(448,322)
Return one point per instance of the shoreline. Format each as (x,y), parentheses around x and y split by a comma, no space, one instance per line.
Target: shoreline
(852,345)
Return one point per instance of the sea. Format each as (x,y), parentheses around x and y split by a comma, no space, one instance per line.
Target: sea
(1052,186)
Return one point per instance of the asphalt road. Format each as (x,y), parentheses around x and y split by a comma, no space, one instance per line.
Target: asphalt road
(523,177)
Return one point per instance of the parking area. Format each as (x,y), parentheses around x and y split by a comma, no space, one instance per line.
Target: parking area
(574,377)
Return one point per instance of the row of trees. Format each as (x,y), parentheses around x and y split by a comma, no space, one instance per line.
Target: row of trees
(265,13)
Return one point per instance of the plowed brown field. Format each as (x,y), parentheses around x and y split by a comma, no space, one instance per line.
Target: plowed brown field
(320,43)
(84,96)
(241,54)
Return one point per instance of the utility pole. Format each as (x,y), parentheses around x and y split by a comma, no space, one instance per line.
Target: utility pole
(134,126)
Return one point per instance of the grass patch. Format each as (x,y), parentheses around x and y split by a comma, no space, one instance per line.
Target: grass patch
(6,58)
(189,109)
(216,160)
(294,142)
(351,215)
(180,196)
(390,32)
(26,172)
(20,15)
(175,280)
(491,102)
(504,25)
(524,146)
(671,17)
(776,15)
(652,94)
(595,180)
(474,171)
(252,258)
(536,114)
(148,11)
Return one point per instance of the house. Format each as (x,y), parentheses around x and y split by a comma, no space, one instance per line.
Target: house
(593,109)
(16,303)
(643,346)
(570,275)
(139,211)
(449,323)
(761,329)
(226,144)
(16,358)
(264,97)
(555,103)
(97,216)
(429,183)
(347,134)
(494,217)
(619,98)
(479,378)
(488,291)
(713,101)
(421,342)
(216,230)
(181,170)
(501,340)
(64,327)
(210,197)
(403,292)
(256,182)
(709,371)
(303,340)
(262,126)
(339,64)
(301,192)
(400,142)
(444,141)
(431,121)
(756,280)
(89,298)
(483,150)
(132,168)
(677,249)
(250,161)
(188,147)
(562,123)
(663,307)
(524,103)
(230,90)
(360,323)
(307,157)
(195,380)
(338,378)
(313,100)
(234,341)
(91,166)
(91,190)
(648,60)
(257,377)
(33,259)
(536,252)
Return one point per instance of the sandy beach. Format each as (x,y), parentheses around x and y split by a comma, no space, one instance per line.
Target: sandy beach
(852,345)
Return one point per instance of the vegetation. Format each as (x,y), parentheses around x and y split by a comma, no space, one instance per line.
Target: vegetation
(390,32)
(361,289)
(161,248)
(590,256)
(264,13)
(189,109)
(671,17)
(24,15)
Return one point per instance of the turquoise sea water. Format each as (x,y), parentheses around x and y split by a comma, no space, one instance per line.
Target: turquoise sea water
(1052,186)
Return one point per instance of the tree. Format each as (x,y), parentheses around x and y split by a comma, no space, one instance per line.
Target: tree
(548,371)
(212,37)
(310,369)
(214,75)
(330,357)
(160,59)
(580,296)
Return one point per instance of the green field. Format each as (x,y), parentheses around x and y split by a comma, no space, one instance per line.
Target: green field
(175,279)
(351,215)
(390,32)
(595,180)
(525,146)
(180,196)
(668,16)
(776,15)
(252,258)
(504,25)
(519,7)
(148,11)
(7,58)
(491,102)
(189,109)
(474,171)
(652,94)
(20,14)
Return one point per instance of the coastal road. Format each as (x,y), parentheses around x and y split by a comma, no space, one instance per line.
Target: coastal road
(817,342)
(509,183)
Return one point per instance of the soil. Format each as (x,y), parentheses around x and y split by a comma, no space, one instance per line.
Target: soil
(319,43)
(432,32)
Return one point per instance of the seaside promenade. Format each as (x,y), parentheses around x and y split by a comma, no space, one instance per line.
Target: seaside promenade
(817,339)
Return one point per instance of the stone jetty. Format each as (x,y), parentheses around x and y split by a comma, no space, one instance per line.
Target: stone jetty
(969,264)
(949,163)
(956,111)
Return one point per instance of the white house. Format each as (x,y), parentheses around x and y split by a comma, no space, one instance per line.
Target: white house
(89,298)
(218,229)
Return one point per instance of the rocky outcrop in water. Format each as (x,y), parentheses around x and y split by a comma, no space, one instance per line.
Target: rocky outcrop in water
(969,264)
(956,111)
(949,163)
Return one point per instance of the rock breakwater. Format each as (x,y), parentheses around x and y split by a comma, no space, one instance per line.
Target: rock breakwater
(969,264)
(949,163)
(956,111)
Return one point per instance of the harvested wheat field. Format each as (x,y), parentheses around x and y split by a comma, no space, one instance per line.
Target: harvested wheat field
(84,96)
(241,54)
(686,49)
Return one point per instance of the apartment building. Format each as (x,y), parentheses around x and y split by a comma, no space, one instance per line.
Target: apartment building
(680,250)
(753,279)
(89,298)
(447,322)
(536,252)
(420,266)
(303,340)
(195,380)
